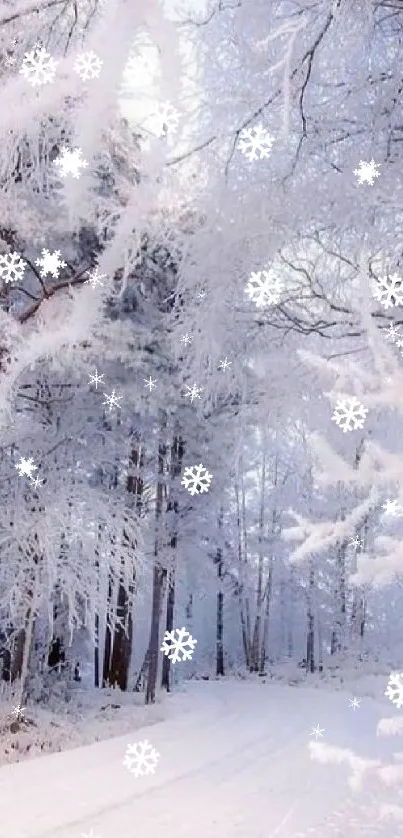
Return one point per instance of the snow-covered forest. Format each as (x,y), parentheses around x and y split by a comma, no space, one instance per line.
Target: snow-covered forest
(201,355)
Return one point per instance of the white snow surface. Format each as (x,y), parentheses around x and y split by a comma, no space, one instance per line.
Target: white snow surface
(235,763)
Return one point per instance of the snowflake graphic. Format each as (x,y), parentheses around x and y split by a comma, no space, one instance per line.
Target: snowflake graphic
(317,732)
(164,120)
(254,142)
(150,383)
(95,278)
(186,338)
(112,400)
(264,288)
(367,172)
(50,263)
(174,647)
(70,162)
(388,290)
(26,467)
(223,365)
(196,479)
(96,379)
(355,702)
(88,65)
(12,267)
(394,690)
(392,333)
(392,508)
(38,67)
(355,542)
(349,414)
(141,758)
(193,392)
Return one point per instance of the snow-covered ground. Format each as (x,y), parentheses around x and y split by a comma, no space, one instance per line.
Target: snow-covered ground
(234,762)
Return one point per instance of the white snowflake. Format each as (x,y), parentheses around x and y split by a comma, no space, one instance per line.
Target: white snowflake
(88,65)
(164,120)
(186,338)
(141,758)
(349,414)
(317,732)
(12,267)
(392,333)
(70,162)
(255,141)
(95,278)
(26,467)
(174,647)
(193,392)
(196,479)
(355,702)
(38,67)
(112,400)
(388,290)
(394,690)
(367,172)
(96,379)
(393,508)
(223,365)
(355,542)
(150,383)
(50,263)
(264,288)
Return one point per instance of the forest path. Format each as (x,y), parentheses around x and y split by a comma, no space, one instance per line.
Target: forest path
(234,763)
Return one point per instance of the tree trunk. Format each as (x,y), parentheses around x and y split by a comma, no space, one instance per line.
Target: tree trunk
(220,604)
(169,624)
(177,454)
(121,645)
(243,612)
(310,639)
(17,655)
(96,652)
(265,635)
(290,621)
(255,650)
(107,645)
(159,577)
(159,574)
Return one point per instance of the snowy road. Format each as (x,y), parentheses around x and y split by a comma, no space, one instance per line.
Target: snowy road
(234,764)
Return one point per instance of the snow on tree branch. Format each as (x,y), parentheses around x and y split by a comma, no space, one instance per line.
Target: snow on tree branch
(320,536)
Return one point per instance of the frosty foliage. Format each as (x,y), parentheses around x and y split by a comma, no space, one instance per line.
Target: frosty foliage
(160,235)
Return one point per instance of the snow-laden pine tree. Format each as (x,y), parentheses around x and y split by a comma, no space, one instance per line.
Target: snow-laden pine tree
(373,499)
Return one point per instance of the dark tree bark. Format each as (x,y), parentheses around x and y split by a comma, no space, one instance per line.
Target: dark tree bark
(310,639)
(169,624)
(159,578)
(96,652)
(107,646)
(17,655)
(159,574)
(177,454)
(220,618)
(123,632)
(220,602)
